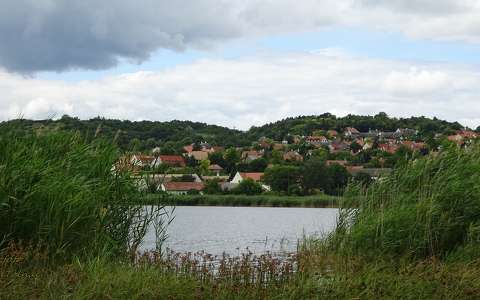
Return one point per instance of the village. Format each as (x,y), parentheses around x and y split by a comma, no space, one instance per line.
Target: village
(203,168)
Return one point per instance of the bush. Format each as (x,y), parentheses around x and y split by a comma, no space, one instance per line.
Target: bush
(248,187)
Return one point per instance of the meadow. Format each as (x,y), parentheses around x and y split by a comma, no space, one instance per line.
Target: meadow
(70,228)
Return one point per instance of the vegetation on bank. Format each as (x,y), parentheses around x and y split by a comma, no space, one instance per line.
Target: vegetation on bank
(66,220)
(244,200)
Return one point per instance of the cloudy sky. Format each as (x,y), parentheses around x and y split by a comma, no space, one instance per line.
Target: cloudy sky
(239,63)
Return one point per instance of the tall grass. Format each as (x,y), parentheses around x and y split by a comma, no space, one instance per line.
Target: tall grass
(428,208)
(59,190)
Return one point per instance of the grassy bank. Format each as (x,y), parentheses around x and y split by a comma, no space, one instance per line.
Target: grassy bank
(244,200)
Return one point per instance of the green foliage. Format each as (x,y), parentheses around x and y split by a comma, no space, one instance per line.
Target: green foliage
(338,179)
(282,177)
(248,187)
(315,175)
(212,187)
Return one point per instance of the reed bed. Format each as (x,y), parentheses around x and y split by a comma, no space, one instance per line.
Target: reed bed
(319,201)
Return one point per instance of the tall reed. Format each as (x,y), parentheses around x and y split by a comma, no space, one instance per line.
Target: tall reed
(59,190)
(428,208)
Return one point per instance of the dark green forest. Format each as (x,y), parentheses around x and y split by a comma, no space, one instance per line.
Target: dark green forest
(145,135)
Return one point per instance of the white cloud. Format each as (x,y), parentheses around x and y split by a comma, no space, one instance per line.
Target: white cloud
(251,91)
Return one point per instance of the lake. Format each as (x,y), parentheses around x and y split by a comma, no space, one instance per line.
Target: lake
(233,230)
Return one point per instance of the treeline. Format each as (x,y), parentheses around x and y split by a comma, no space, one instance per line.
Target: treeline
(145,135)
(305,125)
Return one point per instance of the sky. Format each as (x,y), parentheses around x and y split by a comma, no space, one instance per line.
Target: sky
(239,63)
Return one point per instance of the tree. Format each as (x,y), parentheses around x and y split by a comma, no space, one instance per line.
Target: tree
(216,158)
(203,167)
(212,187)
(314,175)
(257,165)
(281,177)
(248,187)
(232,157)
(338,177)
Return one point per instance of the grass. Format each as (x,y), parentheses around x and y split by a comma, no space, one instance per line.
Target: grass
(244,200)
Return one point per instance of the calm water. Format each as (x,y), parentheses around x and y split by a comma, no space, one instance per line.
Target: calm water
(234,229)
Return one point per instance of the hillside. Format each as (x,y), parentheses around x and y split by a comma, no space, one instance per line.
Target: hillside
(145,135)
(305,125)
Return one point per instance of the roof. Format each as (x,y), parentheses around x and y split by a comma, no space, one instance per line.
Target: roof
(352,130)
(176,158)
(188,148)
(253,176)
(144,158)
(316,138)
(199,155)
(183,186)
(215,168)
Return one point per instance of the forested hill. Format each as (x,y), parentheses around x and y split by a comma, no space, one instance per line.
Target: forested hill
(305,125)
(140,135)
(145,135)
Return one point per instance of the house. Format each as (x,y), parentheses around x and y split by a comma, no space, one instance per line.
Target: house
(317,140)
(332,133)
(390,148)
(351,132)
(215,169)
(250,155)
(414,146)
(338,147)
(240,176)
(292,156)
(170,160)
(219,178)
(181,188)
(198,155)
(406,132)
(188,148)
(142,161)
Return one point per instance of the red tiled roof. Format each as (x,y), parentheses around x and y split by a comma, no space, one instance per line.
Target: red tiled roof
(253,176)
(183,186)
(172,160)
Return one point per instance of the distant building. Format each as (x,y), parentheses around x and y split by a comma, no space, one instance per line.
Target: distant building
(317,140)
(292,156)
(170,160)
(181,188)
(215,169)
